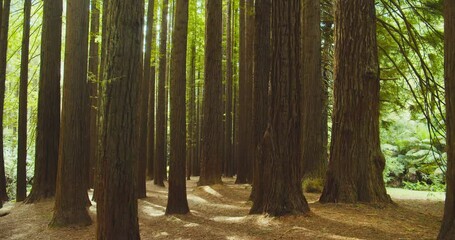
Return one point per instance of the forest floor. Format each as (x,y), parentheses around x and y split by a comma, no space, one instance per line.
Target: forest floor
(221,212)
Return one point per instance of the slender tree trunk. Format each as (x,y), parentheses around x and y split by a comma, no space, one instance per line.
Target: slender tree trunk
(211,155)
(143,107)
(356,161)
(228,124)
(93,65)
(447,230)
(160,154)
(149,68)
(280,190)
(48,122)
(314,102)
(192,127)
(21,191)
(261,83)
(242,156)
(177,202)
(117,209)
(3,57)
(71,192)
(249,79)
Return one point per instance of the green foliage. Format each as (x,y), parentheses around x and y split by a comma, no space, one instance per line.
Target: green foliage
(313,185)
(413,160)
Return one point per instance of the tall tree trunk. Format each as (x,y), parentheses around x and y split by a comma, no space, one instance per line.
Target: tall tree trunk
(249,79)
(242,155)
(48,122)
(177,201)
(447,230)
(151,98)
(212,123)
(21,191)
(356,161)
(71,192)
(280,191)
(192,127)
(93,73)
(314,101)
(3,57)
(228,124)
(143,107)
(117,209)
(262,54)
(160,154)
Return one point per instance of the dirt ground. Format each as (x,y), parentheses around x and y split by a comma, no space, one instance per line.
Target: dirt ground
(221,212)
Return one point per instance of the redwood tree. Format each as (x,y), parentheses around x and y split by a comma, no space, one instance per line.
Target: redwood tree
(48,122)
(280,190)
(21,191)
(122,61)
(447,230)
(71,191)
(3,53)
(177,202)
(356,161)
(261,83)
(314,101)
(160,153)
(211,157)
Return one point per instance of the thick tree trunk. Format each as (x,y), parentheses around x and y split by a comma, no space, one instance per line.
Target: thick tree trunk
(48,122)
(177,202)
(447,230)
(262,54)
(160,154)
(356,161)
(211,158)
(314,101)
(3,56)
(280,189)
(21,191)
(117,209)
(93,64)
(71,191)
(249,78)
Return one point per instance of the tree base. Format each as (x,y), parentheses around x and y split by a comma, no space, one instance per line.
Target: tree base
(77,218)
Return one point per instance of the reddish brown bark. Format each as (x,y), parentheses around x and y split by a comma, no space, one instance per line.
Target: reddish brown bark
(212,155)
(48,122)
(356,161)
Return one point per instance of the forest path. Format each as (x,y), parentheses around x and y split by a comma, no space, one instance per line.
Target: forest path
(221,212)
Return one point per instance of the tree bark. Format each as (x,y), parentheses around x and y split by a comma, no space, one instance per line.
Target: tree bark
(314,101)
(280,191)
(211,158)
(149,75)
(447,230)
(192,126)
(21,191)
(242,157)
(261,83)
(3,56)
(48,122)
(228,171)
(93,65)
(117,209)
(160,153)
(71,192)
(177,202)
(356,161)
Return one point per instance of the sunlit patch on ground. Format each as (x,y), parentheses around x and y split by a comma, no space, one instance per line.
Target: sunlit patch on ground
(229,219)
(212,191)
(152,211)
